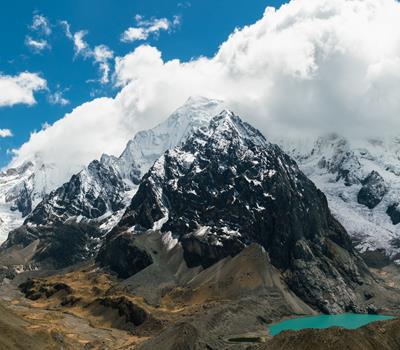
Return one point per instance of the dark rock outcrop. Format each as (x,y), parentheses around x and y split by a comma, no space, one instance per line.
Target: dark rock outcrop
(123,256)
(23,202)
(132,313)
(59,245)
(393,211)
(36,289)
(372,191)
(123,313)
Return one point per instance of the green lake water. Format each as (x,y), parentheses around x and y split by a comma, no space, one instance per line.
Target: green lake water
(349,321)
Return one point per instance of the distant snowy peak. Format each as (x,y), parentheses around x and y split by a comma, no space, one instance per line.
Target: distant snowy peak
(16,185)
(15,196)
(361,179)
(21,188)
(335,154)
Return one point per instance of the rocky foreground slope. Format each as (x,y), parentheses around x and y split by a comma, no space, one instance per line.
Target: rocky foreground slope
(165,306)
(15,333)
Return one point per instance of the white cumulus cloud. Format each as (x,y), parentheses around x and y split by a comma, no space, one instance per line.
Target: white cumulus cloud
(5,133)
(80,45)
(309,67)
(80,136)
(20,89)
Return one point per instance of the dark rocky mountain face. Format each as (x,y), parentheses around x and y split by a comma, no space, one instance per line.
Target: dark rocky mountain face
(57,245)
(88,194)
(124,257)
(23,201)
(227,187)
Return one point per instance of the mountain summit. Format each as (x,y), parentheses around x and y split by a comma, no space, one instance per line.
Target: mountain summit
(226,187)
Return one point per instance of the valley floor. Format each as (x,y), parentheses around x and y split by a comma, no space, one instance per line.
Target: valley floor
(86,308)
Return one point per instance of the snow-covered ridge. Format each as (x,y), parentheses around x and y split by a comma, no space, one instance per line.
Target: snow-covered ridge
(103,189)
(145,148)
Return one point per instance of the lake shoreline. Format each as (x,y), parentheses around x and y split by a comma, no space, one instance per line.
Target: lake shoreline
(323,321)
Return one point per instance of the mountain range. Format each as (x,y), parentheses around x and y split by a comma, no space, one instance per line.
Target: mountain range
(203,208)
(102,190)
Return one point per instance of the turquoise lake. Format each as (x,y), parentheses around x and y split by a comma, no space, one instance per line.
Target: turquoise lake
(349,321)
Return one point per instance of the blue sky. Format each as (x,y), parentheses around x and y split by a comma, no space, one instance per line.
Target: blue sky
(203,26)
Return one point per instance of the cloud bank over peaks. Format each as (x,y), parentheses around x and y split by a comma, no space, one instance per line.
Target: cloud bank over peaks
(307,68)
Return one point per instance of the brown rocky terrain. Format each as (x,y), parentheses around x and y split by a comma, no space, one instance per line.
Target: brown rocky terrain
(170,306)
(249,294)
(19,333)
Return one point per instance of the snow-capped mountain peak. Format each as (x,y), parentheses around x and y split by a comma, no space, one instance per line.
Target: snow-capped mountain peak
(148,145)
(228,125)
